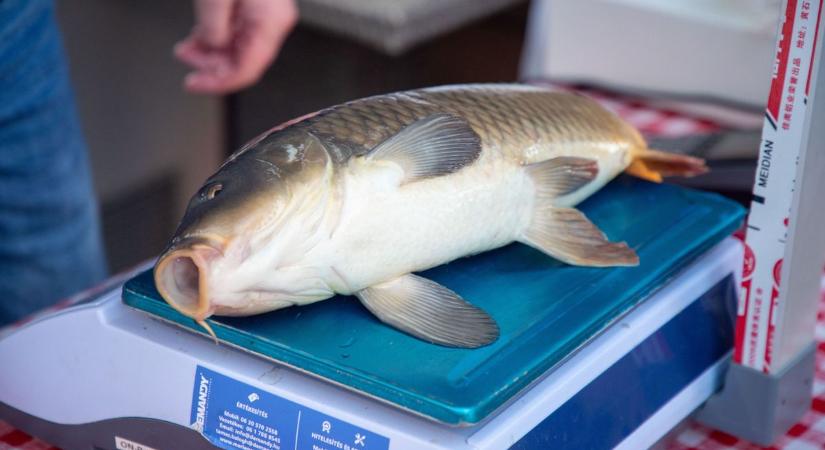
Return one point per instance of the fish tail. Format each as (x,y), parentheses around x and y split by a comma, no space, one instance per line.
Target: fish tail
(208,329)
(653,165)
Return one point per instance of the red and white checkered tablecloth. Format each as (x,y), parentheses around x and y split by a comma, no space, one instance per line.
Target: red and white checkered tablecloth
(652,121)
(13,439)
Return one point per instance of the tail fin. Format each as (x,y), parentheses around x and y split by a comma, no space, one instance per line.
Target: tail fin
(652,165)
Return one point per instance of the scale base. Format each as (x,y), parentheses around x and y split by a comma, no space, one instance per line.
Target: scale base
(760,407)
(138,379)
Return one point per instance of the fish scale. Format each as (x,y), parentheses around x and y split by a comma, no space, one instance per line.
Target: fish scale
(506,118)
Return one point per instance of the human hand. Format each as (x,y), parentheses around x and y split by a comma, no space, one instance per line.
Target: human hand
(233,42)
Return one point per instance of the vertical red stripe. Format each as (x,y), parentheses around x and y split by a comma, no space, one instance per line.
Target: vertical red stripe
(777,281)
(748,265)
(778,82)
(771,327)
(741,321)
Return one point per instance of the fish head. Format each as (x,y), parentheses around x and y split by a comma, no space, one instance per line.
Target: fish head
(241,247)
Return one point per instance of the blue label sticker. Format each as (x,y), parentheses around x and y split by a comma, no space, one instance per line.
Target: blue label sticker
(234,415)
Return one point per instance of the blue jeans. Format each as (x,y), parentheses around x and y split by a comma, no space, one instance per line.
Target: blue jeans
(50,244)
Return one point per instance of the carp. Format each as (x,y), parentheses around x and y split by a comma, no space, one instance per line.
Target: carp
(357,198)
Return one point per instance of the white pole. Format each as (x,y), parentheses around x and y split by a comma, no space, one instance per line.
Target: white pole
(768,387)
(805,251)
(785,254)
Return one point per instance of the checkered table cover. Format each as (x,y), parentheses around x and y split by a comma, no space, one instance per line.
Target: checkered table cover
(808,434)
(651,121)
(13,439)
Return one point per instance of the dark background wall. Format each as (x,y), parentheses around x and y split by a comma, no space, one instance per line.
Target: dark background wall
(316,70)
(152,145)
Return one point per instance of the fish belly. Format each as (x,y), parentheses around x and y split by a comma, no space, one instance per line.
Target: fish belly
(388,232)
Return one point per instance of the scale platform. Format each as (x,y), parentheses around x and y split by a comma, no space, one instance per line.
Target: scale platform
(626,351)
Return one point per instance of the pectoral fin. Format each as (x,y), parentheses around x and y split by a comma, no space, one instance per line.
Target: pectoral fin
(436,145)
(206,326)
(429,311)
(566,234)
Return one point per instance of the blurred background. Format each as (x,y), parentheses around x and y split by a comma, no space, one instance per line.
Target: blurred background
(699,87)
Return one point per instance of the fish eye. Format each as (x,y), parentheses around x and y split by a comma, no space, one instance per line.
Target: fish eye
(213,191)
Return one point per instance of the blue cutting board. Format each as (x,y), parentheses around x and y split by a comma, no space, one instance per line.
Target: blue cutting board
(546,309)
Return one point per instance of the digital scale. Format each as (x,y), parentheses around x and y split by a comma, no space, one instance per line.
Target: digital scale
(587,358)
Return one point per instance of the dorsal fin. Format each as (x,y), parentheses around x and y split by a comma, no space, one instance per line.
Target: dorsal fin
(436,145)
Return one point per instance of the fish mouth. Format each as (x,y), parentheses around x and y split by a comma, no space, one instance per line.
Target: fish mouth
(182,277)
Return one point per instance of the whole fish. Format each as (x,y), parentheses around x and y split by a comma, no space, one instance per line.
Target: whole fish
(356,198)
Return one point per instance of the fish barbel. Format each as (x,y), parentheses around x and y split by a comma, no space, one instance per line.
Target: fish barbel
(356,198)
